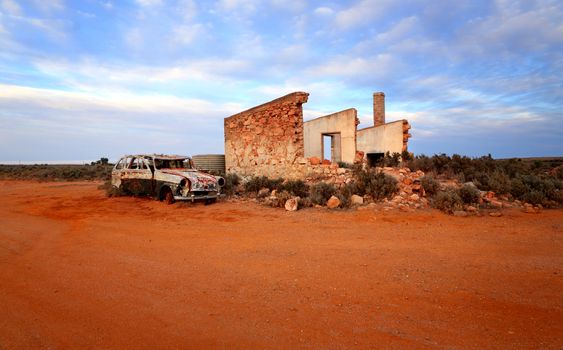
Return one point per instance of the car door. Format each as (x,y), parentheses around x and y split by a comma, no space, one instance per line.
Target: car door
(137,178)
(116,172)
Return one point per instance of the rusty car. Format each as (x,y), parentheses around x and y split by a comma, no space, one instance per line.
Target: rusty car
(167,178)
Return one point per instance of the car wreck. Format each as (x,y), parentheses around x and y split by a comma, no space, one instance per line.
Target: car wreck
(167,178)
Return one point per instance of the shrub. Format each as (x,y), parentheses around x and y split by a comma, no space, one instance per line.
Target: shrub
(295,187)
(534,197)
(345,195)
(468,194)
(231,183)
(110,190)
(377,184)
(342,164)
(256,183)
(281,198)
(391,160)
(430,185)
(321,192)
(447,201)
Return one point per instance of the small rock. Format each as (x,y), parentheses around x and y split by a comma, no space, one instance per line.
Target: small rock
(407,181)
(264,192)
(292,204)
(470,209)
(333,202)
(357,200)
(495,204)
(314,161)
(414,197)
(341,171)
(460,213)
(326,162)
(530,210)
(495,214)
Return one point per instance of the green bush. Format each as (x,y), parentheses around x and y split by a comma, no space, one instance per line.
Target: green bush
(377,184)
(342,164)
(295,187)
(430,185)
(256,183)
(281,198)
(321,192)
(468,194)
(345,195)
(110,190)
(231,183)
(447,201)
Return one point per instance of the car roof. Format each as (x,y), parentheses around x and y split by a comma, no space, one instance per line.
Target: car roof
(158,156)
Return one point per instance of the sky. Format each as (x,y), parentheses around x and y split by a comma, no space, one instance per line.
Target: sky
(80,80)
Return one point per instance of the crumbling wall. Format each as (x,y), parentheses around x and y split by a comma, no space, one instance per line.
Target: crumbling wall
(267,139)
(343,123)
(391,137)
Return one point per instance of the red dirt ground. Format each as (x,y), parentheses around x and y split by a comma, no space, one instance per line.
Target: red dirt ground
(79,270)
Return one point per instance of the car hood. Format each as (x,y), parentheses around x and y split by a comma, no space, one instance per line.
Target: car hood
(192,175)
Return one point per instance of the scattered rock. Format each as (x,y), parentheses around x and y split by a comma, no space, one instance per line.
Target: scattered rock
(292,204)
(264,192)
(333,202)
(357,200)
(495,203)
(314,161)
(460,213)
(414,197)
(495,214)
(470,209)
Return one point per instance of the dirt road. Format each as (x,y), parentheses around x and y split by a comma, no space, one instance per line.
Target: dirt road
(79,270)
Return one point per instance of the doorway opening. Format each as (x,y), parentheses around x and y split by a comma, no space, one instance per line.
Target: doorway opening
(374,159)
(331,147)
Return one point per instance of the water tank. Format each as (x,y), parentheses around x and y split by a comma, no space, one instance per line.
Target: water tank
(214,163)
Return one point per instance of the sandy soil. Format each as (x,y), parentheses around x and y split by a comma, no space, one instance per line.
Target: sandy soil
(79,270)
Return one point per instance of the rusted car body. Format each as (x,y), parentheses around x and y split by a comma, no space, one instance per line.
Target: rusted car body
(165,177)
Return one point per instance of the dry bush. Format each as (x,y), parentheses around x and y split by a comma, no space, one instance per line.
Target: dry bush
(321,192)
(430,185)
(447,201)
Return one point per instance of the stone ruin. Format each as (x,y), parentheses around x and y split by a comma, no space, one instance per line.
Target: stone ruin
(273,140)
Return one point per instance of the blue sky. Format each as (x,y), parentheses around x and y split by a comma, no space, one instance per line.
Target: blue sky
(85,79)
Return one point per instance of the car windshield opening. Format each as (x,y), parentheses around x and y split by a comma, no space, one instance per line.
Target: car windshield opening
(172,163)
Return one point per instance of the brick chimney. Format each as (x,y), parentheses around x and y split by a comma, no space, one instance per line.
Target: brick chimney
(378,108)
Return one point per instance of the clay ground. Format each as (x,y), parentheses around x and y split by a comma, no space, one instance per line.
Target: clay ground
(79,270)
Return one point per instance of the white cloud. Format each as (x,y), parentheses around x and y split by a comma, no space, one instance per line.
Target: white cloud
(187,8)
(146,3)
(361,13)
(185,34)
(323,11)
(50,5)
(350,66)
(134,38)
(241,6)
(11,7)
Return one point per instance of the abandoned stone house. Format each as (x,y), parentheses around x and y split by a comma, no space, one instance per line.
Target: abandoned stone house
(273,140)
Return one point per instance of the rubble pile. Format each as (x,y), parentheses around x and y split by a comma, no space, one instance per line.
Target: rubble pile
(410,194)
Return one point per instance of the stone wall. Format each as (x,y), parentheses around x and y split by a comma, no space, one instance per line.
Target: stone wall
(267,139)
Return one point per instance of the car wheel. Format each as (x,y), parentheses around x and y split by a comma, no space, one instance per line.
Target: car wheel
(167,196)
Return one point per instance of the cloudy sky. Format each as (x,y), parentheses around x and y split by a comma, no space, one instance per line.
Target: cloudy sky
(90,78)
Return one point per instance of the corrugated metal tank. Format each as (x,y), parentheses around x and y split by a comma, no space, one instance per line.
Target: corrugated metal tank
(210,162)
